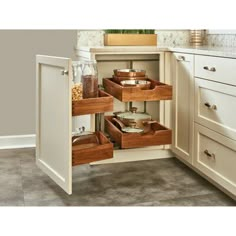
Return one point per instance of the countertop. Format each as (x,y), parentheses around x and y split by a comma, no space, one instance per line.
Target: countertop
(200,50)
(205,50)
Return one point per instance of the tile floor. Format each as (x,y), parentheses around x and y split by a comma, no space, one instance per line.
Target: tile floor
(164,182)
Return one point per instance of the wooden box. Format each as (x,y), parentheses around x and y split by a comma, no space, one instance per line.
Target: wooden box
(83,155)
(101,104)
(157,91)
(130,39)
(159,135)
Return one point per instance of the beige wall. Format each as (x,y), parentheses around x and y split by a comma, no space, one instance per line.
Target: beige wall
(17,73)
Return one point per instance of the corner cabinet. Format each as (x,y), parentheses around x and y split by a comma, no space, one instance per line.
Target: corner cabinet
(57,115)
(183,105)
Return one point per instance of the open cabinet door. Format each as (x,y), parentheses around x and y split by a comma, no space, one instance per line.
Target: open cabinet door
(53,124)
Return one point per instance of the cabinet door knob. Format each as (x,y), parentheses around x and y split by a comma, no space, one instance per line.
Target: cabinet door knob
(209,155)
(207,104)
(181,58)
(64,72)
(213,69)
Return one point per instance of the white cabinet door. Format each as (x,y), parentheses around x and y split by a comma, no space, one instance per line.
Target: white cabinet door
(53,125)
(183,105)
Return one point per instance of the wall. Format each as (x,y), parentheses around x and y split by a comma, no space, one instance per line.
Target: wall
(17,80)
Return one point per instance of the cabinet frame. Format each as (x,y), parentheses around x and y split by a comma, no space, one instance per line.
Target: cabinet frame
(183,65)
(131,55)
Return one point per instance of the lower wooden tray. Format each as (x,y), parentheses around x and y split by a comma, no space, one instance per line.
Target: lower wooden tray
(158,91)
(82,154)
(159,135)
(101,104)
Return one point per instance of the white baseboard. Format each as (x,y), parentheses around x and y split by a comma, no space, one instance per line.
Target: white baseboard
(17,141)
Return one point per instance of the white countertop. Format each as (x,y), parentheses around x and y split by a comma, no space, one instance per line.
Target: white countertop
(205,50)
(200,50)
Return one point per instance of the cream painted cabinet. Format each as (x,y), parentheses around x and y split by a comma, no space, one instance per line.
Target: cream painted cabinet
(215,156)
(215,129)
(55,152)
(183,105)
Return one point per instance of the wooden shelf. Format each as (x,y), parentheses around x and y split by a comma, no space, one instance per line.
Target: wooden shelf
(159,135)
(82,154)
(158,91)
(101,104)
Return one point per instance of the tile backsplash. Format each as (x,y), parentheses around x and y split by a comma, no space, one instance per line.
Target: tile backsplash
(221,40)
(165,38)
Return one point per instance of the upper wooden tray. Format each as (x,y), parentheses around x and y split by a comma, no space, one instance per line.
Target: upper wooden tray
(101,104)
(158,91)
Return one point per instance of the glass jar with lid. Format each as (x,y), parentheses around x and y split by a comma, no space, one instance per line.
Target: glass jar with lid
(77,88)
(90,79)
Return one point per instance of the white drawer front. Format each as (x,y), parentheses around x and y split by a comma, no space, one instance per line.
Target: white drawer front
(216,68)
(215,106)
(215,156)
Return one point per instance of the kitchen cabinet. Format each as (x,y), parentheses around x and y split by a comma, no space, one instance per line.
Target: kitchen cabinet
(214,118)
(183,105)
(200,114)
(55,154)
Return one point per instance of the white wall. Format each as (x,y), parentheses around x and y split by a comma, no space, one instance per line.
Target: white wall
(17,78)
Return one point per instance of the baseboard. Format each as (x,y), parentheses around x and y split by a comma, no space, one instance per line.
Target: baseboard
(17,141)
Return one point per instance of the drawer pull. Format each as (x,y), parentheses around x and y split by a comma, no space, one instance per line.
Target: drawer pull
(213,69)
(214,107)
(209,155)
(181,58)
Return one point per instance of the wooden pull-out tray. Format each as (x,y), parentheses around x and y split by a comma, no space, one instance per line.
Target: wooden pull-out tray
(157,91)
(159,135)
(82,154)
(101,104)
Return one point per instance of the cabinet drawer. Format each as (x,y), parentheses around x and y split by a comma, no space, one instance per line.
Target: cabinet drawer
(215,106)
(158,135)
(158,91)
(215,156)
(86,153)
(216,68)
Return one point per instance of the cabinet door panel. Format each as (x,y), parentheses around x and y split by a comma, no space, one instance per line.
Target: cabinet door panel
(182,68)
(53,132)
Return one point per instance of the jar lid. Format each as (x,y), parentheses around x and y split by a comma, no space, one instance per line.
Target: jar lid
(88,62)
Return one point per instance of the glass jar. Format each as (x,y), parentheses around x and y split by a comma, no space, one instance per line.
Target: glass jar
(77,88)
(90,79)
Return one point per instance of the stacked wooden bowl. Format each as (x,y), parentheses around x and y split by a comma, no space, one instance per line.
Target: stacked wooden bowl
(131,78)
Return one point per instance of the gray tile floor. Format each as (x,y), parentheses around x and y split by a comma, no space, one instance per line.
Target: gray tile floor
(164,182)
